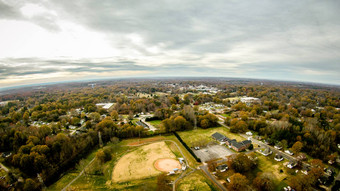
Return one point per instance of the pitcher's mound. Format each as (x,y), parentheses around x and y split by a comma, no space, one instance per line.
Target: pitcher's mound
(167,165)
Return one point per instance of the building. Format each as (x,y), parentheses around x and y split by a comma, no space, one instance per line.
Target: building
(232,143)
(105,105)
(291,164)
(289,152)
(278,157)
(278,147)
(249,133)
(239,146)
(249,100)
(219,137)
(222,168)
(305,170)
(266,152)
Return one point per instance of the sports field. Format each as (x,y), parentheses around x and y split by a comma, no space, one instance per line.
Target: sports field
(139,164)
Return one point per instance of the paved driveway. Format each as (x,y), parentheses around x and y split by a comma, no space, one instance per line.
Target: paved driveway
(213,152)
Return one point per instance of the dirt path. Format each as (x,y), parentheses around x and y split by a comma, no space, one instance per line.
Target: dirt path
(81,173)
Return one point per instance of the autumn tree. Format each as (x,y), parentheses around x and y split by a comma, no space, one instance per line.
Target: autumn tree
(163,183)
(264,182)
(104,155)
(114,115)
(241,163)
(238,182)
(297,147)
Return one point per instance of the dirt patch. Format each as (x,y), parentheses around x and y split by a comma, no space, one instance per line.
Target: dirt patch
(145,141)
(167,165)
(139,164)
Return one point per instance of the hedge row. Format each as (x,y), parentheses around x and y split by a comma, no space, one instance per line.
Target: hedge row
(152,118)
(186,146)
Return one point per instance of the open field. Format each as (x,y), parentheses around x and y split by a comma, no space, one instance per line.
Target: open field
(268,164)
(232,99)
(195,181)
(145,141)
(139,164)
(204,135)
(104,181)
(224,115)
(155,123)
(167,165)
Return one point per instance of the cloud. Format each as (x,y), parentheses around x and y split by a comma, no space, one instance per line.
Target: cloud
(287,40)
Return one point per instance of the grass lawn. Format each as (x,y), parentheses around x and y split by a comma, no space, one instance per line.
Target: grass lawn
(155,123)
(194,136)
(70,174)
(195,181)
(268,164)
(225,115)
(104,181)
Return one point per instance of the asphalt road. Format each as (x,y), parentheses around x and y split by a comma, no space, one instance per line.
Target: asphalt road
(263,145)
(211,177)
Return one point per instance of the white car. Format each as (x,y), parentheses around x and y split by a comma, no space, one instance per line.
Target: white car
(289,152)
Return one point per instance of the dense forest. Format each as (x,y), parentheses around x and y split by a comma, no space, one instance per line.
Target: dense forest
(36,124)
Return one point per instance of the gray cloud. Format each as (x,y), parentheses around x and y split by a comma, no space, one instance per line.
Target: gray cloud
(8,12)
(262,39)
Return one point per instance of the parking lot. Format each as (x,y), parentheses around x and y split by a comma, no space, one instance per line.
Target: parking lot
(212,152)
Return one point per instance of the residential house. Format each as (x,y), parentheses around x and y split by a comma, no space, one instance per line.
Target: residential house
(232,143)
(278,157)
(329,171)
(291,164)
(278,147)
(222,168)
(289,152)
(305,169)
(239,146)
(266,152)
(219,137)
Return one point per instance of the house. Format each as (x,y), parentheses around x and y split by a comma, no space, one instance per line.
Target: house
(291,164)
(329,171)
(305,170)
(184,166)
(6,154)
(219,137)
(232,143)
(301,156)
(239,146)
(249,133)
(278,157)
(277,146)
(266,152)
(289,152)
(222,168)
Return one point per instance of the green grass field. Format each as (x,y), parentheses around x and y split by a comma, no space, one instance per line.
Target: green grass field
(204,135)
(268,164)
(225,115)
(104,182)
(195,181)
(155,123)
(70,175)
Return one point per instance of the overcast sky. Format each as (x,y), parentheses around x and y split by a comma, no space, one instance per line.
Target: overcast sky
(46,41)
